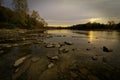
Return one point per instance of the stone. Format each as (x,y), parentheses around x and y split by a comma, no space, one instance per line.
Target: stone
(68,43)
(88,49)
(35,59)
(64,50)
(15,45)
(84,71)
(23,39)
(55,58)
(94,58)
(64,35)
(8,46)
(88,41)
(17,70)
(57,45)
(73,74)
(20,61)
(1,51)
(105,49)
(51,65)
(50,45)
(104,59)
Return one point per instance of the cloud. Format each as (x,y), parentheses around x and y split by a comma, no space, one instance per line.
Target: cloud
(72,11)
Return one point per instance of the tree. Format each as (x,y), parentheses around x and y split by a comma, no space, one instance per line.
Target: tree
(1,2)
(35,15)
(21,6)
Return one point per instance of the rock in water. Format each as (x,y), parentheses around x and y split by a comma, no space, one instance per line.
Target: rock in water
(55,58)
(20,61)
(105,49)
(50,65)
(49,45)
(35,59)
(68,43)
(94,58)
(1,52)
(64,50)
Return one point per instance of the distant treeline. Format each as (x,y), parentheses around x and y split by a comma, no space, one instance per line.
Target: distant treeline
(96,26)
(20,17)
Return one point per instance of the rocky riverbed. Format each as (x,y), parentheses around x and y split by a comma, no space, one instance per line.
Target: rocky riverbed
(37,55)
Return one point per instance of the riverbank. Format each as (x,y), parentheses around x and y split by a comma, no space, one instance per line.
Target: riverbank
(34,55)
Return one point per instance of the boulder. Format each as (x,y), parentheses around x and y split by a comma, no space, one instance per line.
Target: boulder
(105,49)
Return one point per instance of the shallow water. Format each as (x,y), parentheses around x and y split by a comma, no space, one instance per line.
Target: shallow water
(96,40)
(109,39)
(82,40)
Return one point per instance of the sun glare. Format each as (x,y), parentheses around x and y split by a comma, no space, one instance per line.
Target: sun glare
(92,20)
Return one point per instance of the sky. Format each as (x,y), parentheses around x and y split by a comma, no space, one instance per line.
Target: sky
(70,12)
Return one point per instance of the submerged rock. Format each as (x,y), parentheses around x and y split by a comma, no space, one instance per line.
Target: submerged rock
(51,65)
(68,43)
(105,49)
(57,45)
(94,58)
(64,50)
(50,45)
(52,59)
(8,46)
(1,51)
(17,70)
(104,59)
(88,49)
(35,59)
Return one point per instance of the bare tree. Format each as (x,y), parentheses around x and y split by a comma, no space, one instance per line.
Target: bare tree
(21,6)
(1,2)
(37,17)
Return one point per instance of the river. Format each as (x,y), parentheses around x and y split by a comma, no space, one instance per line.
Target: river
(86,51)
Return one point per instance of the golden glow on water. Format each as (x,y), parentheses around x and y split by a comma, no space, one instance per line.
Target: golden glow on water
(59,31)
(91,36)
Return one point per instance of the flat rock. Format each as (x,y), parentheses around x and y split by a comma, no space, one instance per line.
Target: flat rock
(17,70)
(50,45)
(20,61)
(68,43)
(35,59)
(51,65)
(64,50)
(55,58)
(57,45)
(94,58)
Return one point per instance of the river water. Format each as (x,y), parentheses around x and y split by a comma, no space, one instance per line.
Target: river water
(93,40)
(109,39)
(86,45)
